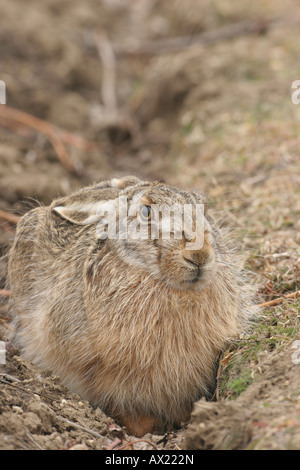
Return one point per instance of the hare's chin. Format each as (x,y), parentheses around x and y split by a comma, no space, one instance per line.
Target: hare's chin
(196,284)
(189,286)
(197,280)
(193,284)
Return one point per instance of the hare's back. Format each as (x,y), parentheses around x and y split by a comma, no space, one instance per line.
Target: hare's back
(20,259)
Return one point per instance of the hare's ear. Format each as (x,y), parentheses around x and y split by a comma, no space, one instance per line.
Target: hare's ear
(205,203)
(199,198)
(122,183)
(84,214)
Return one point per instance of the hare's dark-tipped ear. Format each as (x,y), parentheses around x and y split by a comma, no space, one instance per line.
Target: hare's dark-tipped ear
(122,183)
(83,214)
(205,202)
(200,199)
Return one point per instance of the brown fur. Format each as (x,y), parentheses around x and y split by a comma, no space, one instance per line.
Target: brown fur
(121,323)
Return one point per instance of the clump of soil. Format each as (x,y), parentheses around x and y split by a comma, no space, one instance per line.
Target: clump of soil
(265,416)
(38,412)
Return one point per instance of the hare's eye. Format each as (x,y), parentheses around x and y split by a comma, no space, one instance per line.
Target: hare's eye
(145,212)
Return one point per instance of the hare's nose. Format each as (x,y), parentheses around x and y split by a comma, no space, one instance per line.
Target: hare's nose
(196,258)
(192,261)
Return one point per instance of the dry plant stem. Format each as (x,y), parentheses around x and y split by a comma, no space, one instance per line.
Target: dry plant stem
(14,219)
(17,387)
(112,115)
(108,84)
(293,295)
(45,128)
(29,435)
(10,377)
(206,38)
(5,293)
(135,442)
(56,136)
(114,444)
(7,228)
(22,118)
(78,426)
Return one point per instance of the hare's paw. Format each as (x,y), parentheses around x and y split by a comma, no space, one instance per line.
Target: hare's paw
(139,425)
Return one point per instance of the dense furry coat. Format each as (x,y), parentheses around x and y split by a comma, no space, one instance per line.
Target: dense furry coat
(133,326)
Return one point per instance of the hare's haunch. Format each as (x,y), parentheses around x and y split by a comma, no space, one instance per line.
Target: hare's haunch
(132,322)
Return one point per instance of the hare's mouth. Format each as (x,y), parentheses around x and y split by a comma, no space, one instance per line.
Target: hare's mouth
(190,280)
(199,276)
(194,279)
(195,271)
(196,283)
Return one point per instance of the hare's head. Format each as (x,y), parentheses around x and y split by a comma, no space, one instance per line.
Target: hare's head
(154,227)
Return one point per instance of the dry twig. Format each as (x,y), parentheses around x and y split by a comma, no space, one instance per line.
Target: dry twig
(4,215)
(50,131)
(32,439)
(205,38)
(7,228)
(112,115)
(114,444)
(135,442)
(5,293)
(280,300)
(108,83)
(11,117)
(79,426)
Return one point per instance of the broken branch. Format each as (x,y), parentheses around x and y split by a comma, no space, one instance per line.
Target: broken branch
(280,300)
(79,426)
(5,293)
(14,219)
(114,444)
(208,37)
(112,116)
(135,442)
(108,84)
(44,127)
(56,136)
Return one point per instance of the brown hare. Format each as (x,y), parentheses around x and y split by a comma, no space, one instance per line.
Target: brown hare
(134,325)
